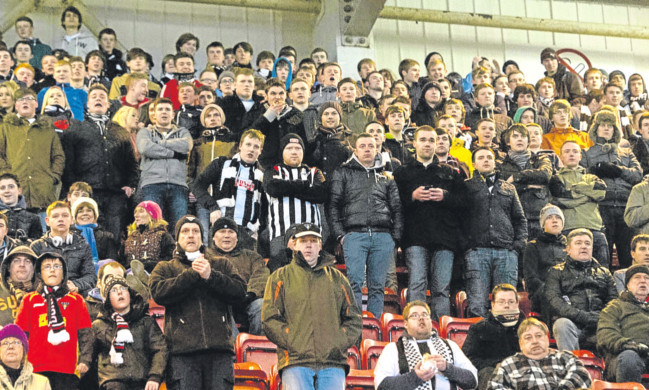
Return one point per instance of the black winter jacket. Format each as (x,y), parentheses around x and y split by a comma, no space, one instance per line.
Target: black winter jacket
(579,290)
(494,219)
(364,198)
(23,225)
(189,117)
(106,162)
(541,254)
(197,313)
(274,130)
(237,118)
(432,224)
(329,150)
(489,342)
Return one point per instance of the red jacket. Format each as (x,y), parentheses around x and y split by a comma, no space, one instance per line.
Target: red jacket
(170,91)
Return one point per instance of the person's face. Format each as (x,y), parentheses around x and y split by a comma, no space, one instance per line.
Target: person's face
(6,62)
(73,195)
(184,65)
(395,121)
(293,154)
(375,130)
(375,82)
(482,78)
(11,352)
(319,57)
(151,112)
(561,117)
(485,97)
(433,96)
(593,81)
(570,155)
(186,95)
(52,272)
(446,89)
(406,109)
(550,65)
(47,65)
(619,80)
(485,132)
(366,68)
(580,248)
(6,100)
(140,89)
(639,285)
(418,324)
(213,119)
(605,130)
(525,100)
(455,111)
(169,66)
(276,96)
(189,47)
(120,298)
(97,102)
(347,93)
(443,145)
(71,20)
(242,56)
(546,91)
(614,96)
(266,63)
(527,117)
(59,220)
(215,56)
(484,161)
(95,64)
(425,144)
(229,59)
(501,85)
(305,75)
(114,271)
(640,254)
(536,136)
(244,86)
(309,246)
(518,142)
(132,121)
(164,113)
(24,30)
(227,86)
(553,225)
(141,216)
(365,150)
(300,93)
(412,75)
(23,53)
(330,118)
(107,42)
(384,106)
(225,239)
(515,80)
(449,125)
(249,149)
(504,300)
(436,71)
(137,64)
(644,129)
(331,76)
(78,71)
(26,106)
(205,98)
(9,191)
(534,342)
(62,74)
(85,215)
(26,76)
(189,237)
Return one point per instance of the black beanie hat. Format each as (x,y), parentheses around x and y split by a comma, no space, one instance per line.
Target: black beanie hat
(635,269)
(290,138)
(224,223)
(184,220)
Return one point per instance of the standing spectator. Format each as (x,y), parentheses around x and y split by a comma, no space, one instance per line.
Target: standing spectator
(331,146)
(184,65)
(576,291)
(568,84)
(99,152)
(331,75)
(165,150)
(94,62)
(355,116)
(409,72)
(6,65)
(77,98)
(77,41)
(311,353)
(242,108)
(366,218)
(114,65)
(58,325)
(148,240)
(23,225)
(215,57)
(18,280)
(432,195)
(136,90)
(196,290)
(373,91)
(136,61)
(25,30)
(103,243)
(561,114)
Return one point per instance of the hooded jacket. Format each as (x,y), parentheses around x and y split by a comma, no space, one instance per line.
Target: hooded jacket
(329,150)
(32,152)
(425,115)
(356,117)
(197,313)
(79,44)
(310,314)
(289,79)
(23,225)
(27,380)
(541,254)
(636,214)
(568,85)
(145,358)
(114,65)
(10,296)
(502,121)
(364,199)
(164,157)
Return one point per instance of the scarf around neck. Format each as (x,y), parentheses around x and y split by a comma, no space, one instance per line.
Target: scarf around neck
(520,158)
(99,120)
(55,321)
(122,337)
(413,354)
(88,232)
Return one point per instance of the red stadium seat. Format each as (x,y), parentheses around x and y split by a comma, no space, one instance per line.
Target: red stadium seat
(391,302)
(460,304)
(360,380)
(602,385)
(157,312)
(370,352)
(275,380)
(257,349)
(593,364)
(392,325)
(456,329)
(404,298)
(371,326)
(249,376)
(353,357)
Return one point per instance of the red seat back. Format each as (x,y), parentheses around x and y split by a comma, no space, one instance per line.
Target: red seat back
(354,357)
(371,328)
(370,352)
(593,364)
(359,380)
(392,326)
(157,312)
(257,349)
(249,376)
(461,304)
(456,329)
(602,385)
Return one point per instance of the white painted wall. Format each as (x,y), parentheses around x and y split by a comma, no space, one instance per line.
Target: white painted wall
(155,25)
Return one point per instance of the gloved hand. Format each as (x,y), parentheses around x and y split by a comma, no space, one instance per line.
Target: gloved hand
(608,170)
(180,156)
(641,349)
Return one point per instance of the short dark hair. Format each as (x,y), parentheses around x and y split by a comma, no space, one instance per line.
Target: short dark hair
(362,135)
(181,54)
(107,31)
(24,19)
(525,89)
(634,242)
(519,128)
(503,287)
(479,148)
(306,60)
(594,94)
(75,11)
(265,55)
(95,53)
(214,44)
(611,85)
(318,50)
(98,86)
(288,48)
(274,82)
(134,53)
(10,176)
(21,42)
(243,45)
(186,37)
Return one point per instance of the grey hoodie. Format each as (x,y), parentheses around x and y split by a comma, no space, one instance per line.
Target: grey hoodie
(80,44)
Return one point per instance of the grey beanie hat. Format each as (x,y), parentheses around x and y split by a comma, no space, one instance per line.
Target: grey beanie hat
(550,209)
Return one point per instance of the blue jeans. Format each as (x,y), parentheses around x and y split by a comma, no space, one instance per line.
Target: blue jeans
(566,333)
(253,313)
(171,198)
(304,378)
(486,268)
(629,367)
(203,216)
(434,267)
(371,253)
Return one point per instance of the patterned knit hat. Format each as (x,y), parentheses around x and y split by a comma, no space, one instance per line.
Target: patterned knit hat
(548,210)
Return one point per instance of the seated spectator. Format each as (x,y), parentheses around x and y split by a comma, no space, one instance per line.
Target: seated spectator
(494,338)
(7,102)
(81,274)
(420,359)
(132,352)
(18,280)
(623,328)
(561,114)
(537,366)
(23,225)
(57,322)
(96,298)
(640,256)
(576,291)
(148,240)
(103,243)
(15,370)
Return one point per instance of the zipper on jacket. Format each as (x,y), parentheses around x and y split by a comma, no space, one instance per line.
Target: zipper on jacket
(200,309)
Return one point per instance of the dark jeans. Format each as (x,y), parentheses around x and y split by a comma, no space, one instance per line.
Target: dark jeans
(60,381)
(201,371)
(618,233)
(171,198)
(123,385)
(112,211)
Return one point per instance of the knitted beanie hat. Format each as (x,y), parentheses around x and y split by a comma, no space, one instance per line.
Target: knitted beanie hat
(13,330)
(110,282)
(85,201)
(635,269)
(548,210)
(290,138)
(334,105)
(184,220)
(152,208)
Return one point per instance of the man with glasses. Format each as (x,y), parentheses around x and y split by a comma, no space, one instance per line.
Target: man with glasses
(420,359)
(495,337)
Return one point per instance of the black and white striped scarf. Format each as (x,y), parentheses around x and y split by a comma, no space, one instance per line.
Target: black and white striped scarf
(413,354)
(100,121)
(231,181)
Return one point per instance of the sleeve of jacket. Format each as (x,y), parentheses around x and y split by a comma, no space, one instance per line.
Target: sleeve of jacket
(632,173)
(57,159)
(474,351)
(500,379)
(404,186)
(259,276)
(395,209)
(168,288)
(337,202)
(210,176)
(86,345)
(226,282)
(577,376)
(182,144)
(351,321)
(636,213)
(149,148)
(592,187)
(132,174)
(539,175)
(4,163)
(88,278)
(273,317)
(609,331)
(554,297)
(69,173)
(158,350)
(519,222)
(531,268)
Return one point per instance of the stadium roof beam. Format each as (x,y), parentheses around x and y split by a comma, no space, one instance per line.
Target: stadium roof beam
(310,7)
